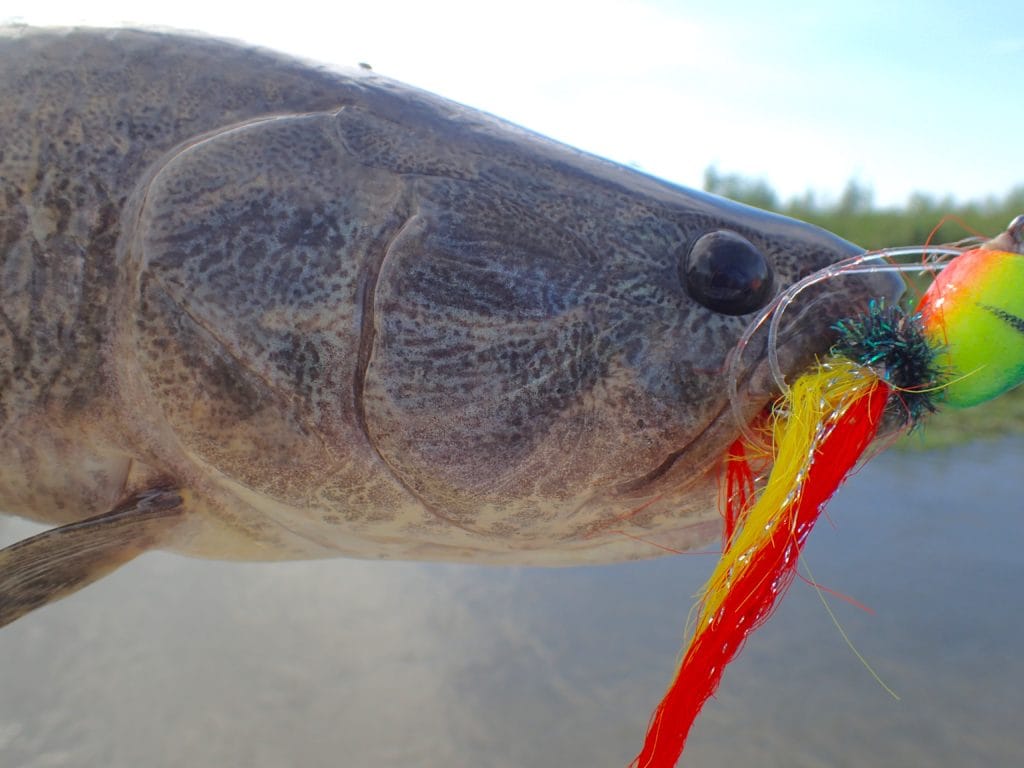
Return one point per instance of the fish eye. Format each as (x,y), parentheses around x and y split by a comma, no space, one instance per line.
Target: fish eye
(727,274)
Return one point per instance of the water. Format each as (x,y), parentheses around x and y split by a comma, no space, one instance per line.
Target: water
(175,662)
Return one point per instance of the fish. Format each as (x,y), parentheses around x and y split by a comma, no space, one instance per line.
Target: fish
(252,308)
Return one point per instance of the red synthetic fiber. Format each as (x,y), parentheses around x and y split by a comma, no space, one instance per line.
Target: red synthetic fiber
(739,488)
(752,597)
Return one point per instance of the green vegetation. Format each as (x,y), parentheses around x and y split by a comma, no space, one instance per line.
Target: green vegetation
(855,217)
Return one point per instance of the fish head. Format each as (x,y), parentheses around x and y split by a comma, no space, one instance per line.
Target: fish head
(406,304)
(758,297)
(562,328)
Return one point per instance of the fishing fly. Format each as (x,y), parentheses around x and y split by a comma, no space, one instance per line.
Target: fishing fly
(890,367)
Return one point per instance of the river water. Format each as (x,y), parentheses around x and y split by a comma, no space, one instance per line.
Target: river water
(172,661)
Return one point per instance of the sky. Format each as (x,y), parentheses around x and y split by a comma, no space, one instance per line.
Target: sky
(909,97)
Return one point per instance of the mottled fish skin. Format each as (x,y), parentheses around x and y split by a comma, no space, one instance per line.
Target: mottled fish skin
(352,318)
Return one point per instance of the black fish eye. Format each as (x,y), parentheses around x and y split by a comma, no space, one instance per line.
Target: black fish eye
(727,274)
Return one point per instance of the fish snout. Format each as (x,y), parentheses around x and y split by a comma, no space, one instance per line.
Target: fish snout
(799,326)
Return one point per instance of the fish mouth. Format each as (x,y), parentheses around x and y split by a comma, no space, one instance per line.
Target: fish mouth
(757,378)
(755,390)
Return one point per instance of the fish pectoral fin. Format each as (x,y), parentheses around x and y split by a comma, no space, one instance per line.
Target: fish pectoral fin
(47,567)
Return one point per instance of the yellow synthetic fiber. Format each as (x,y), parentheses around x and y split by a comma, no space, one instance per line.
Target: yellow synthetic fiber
(804,417)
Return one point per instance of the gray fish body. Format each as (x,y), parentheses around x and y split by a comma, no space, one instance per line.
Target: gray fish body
(341,316)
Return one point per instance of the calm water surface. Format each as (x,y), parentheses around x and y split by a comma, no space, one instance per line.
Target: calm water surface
(175,662)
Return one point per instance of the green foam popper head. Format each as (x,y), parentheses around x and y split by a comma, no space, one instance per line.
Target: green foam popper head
(974,313)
